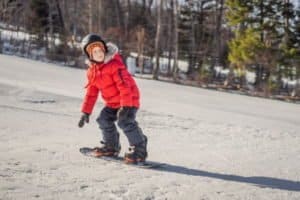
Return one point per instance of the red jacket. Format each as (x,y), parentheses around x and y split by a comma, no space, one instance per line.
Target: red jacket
(116,85)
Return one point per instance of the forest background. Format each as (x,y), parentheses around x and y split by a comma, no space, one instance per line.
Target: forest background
(251,47)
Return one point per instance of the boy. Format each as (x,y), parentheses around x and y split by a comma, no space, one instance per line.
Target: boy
(108,75)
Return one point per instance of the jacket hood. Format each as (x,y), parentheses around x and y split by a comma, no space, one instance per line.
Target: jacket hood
(112,51)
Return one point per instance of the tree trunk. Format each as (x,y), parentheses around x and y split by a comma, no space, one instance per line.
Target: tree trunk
(200,45)
(120,19)
(126,19)
(262,20)
(90,16)
(119,13)
(75,18)
(175,64)
(286,21)
(192,45)
(157,40)
(51,44)
(170,37)
(218,31)
(61,19)
(150,2)
(141,40)
(99,16)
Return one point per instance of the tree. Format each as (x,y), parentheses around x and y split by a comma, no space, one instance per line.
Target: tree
(175,20)
(289,41)
(218,33)
(245,39)
(38,21)
(244,47)
(157,40)
(249,19)
(141,42)
(199,34)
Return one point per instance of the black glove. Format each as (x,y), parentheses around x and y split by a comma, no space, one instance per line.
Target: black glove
(85,118)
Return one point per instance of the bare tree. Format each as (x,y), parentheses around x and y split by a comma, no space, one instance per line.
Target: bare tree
(141,41)
(127,18)
(170,35)
(218,35)
(61,19)
(157,40)
(175,15)
(90,15)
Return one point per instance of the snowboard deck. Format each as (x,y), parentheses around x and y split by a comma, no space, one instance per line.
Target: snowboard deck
(87,151)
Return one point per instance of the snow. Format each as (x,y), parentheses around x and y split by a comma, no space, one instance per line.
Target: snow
(21,35)
(250,77)
(216,145)
(18,35)
(288,83)
(163,63)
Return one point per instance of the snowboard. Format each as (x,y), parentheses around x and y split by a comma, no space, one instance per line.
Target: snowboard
(87,151)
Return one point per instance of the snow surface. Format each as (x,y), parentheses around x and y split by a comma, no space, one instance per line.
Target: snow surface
(216,145)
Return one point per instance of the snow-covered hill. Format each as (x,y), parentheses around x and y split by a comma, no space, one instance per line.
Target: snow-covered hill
(216,145)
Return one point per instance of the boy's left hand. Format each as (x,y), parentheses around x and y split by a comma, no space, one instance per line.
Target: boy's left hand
(85,118)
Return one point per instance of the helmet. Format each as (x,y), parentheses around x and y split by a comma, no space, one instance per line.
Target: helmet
(89,39)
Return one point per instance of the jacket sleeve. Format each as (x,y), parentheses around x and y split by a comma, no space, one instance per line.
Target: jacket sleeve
(124,83)
(90,97)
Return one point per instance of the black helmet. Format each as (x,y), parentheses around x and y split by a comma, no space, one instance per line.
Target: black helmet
(91,38)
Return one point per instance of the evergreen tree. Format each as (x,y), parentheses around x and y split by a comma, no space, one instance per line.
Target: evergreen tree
(297,46)
(38,20)
(196,32)
(239,13)
(243,48)
(290,42)
(266,19)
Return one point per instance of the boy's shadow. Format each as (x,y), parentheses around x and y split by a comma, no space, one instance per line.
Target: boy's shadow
(260,181)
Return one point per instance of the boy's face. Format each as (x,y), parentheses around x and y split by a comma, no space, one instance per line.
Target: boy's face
(98,54)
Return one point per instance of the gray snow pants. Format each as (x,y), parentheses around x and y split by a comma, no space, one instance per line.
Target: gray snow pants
(108,117)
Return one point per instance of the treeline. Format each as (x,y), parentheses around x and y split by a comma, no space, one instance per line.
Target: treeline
(220,40)
(266,39)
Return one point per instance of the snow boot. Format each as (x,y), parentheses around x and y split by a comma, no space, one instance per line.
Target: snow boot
(138,153)
(107,150)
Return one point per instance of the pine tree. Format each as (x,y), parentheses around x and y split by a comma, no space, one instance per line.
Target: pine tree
(243,48)
(37,22)
(289,41)
(238,13)
(245,43)
(196,32)
(263,18)
(297,47)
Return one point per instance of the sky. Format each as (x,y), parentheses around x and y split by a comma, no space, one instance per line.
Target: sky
(296,2)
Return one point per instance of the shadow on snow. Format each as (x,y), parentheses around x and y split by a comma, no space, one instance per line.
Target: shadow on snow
(260,181)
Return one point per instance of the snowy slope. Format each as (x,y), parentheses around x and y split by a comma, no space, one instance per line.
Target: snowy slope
(216,145)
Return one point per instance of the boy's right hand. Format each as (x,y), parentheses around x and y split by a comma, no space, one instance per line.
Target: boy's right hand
(85,118)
